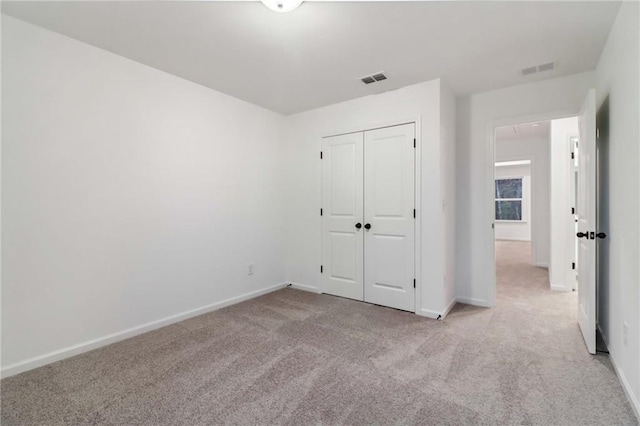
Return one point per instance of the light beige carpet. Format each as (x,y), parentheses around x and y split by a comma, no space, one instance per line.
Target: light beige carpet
(297,358)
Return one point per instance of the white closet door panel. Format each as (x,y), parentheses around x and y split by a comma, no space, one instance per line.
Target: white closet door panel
(342,242)
(389,202)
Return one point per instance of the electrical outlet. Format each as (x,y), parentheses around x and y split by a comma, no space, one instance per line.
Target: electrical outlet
(250,271)
(625,332)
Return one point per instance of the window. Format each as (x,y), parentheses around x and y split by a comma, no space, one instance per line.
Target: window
(509,199)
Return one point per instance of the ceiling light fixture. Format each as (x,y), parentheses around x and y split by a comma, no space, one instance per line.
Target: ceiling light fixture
(282,6)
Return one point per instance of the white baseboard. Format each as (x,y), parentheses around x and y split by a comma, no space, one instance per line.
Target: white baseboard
(310,288)
(422,312)
(633,399)
(448,309)
(541,265)
(429,314)
(440,315)
(475,302)
(79,348)
(555,287)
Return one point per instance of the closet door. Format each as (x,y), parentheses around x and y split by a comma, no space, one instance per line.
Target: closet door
(389,202)
(342,210)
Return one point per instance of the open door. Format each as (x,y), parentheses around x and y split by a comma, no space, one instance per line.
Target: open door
(586,215)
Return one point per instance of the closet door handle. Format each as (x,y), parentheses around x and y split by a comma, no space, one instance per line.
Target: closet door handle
(583,235)
(358,225)
(367,226)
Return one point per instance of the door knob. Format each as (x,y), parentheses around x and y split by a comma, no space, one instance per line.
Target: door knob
(583,235)
(367,226)
(358,225)
(601,235)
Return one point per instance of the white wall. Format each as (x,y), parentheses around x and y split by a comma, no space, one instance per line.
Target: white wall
(536,150)
(617,77)
(516,231)
(448,189)
(476,116)
(129,196)
(561,275)
(304,171)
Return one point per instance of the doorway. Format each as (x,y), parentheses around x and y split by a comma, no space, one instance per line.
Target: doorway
(368,216)
(565,209)
(522,173)
(535,196)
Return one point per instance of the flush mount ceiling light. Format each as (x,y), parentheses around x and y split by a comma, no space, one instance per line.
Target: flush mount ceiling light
(282,5)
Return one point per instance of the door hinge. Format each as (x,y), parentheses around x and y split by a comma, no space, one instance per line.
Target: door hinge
(573,265)
(573,210)
(320,268)
(573,156)
(320,212)
(414,213)
(414,142)
(414,283)
(321,155)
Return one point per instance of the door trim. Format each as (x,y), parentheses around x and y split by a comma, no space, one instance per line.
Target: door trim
(416,120)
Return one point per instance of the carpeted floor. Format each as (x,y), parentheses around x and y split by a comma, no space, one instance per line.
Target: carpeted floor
(297,358)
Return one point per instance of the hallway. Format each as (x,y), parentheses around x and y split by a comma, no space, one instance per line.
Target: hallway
(518,279)
(537,315)
(537,323)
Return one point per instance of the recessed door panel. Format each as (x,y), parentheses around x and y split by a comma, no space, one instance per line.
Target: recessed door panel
(342,241)
(387,177)
(343,256)
(343,168)
(387,255)
(389,202)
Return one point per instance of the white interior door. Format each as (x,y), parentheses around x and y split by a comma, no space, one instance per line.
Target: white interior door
(586,214)
(342,211)
(389,203)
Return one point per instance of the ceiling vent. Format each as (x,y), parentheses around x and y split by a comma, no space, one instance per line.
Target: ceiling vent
(546,67)
(538,68)
(373,78)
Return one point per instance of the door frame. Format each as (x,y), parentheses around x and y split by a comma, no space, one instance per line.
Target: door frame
(416,121)
(490,159)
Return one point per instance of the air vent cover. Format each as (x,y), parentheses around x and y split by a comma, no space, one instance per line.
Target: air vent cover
(379,76)
(538,68)
(546,67)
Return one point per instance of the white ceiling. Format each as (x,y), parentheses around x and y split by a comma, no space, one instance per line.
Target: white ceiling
(315,55)
(523,131)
